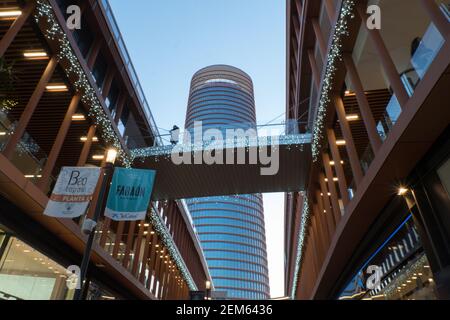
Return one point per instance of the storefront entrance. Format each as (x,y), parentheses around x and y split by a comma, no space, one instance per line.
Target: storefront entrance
(27,274)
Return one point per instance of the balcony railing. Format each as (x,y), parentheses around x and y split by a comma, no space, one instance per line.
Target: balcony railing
(129,67)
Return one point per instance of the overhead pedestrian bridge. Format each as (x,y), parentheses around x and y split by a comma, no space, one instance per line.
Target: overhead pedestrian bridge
(250,165)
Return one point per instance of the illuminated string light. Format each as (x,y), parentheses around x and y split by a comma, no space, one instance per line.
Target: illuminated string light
(291,141)
(301,243)
(44,15)
(334,56)
(167,240)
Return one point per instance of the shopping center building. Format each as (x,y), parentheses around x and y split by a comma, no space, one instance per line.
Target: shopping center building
(66,97)
(377,104)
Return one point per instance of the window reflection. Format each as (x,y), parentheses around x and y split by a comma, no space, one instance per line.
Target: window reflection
(27,274)
(412,44)
(406,273)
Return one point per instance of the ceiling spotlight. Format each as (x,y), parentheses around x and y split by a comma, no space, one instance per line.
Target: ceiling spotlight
(98,157)
(56,88)
(10,13)
(349,93)
(35,55)
(78,117)
(332,163)
(84,139)
(352,117)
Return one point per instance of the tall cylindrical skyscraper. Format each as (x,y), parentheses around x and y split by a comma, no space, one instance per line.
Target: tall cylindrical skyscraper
(231,228)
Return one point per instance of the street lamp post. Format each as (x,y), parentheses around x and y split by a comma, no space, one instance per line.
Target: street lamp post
(89,225)
(208,290)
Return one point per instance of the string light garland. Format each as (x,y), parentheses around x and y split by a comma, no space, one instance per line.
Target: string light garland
(168,242)
(301,242)
(291,141)
(6,104)
(73,69)
(334,56)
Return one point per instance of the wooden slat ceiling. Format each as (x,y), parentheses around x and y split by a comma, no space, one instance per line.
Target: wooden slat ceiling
(378,100)
(50,112)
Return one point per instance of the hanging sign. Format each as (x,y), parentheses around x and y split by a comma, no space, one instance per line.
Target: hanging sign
(129,195)
(73,192)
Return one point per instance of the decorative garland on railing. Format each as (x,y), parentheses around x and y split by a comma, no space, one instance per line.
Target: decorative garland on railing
(301,240)
(293,141)
(54,32)
(167,240)
(89,97)
(334,56)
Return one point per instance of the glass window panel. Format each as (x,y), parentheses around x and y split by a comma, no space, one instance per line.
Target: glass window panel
(412,44)
(27,274)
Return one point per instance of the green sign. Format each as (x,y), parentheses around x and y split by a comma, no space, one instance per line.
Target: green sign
(129,195)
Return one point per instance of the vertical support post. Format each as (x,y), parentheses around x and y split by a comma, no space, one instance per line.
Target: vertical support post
(87,146)
(93,54)
(323,217)
(314,69)
(159,263)
(322,224)
(327,206)
(387,62)
(363,103)
(152,257)
(349,142)
(129,246)
(314,251)
(332,188)
(57,145)
(16,26)
(145,256)
(30,108)
(106,88)
(299,6)
(117,242)
(338,165)
(311,260)
(320,39)
(137,249)
(331,11)
(319,240)
(105,231)
(120,106)
(437,17)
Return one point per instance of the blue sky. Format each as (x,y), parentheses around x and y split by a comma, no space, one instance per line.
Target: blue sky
(169,41)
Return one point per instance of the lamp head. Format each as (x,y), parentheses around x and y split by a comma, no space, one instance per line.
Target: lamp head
(111,156)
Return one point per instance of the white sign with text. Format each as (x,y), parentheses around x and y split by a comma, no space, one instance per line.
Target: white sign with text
(73,192)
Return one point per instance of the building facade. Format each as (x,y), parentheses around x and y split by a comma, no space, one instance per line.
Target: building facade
(67,96)
(231,228)
(376,102)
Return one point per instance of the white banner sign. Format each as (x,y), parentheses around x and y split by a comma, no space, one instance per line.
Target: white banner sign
(73,192)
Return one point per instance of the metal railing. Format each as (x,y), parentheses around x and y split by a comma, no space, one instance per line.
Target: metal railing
(286,127)
(129,67)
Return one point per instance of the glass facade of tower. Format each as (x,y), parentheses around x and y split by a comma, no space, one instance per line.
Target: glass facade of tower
(231,228)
